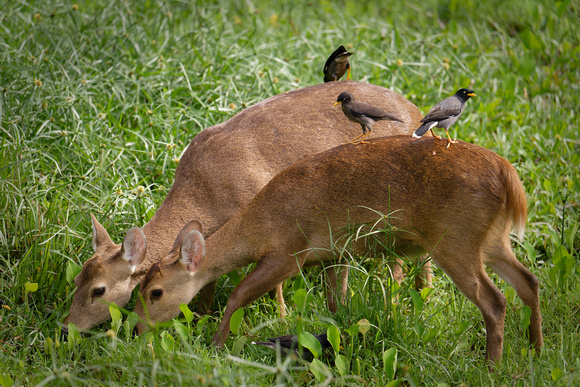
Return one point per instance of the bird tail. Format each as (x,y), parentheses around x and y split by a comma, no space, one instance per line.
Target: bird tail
(421,130)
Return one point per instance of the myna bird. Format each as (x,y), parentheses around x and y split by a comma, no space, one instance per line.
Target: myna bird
(444,114)
(363,114)
(289,345)
(336,65)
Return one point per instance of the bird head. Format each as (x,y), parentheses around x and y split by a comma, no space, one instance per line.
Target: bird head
(344,97)
(464,94)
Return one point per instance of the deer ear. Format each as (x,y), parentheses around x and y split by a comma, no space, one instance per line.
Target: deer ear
(192,251)
(193,225)
(134,247)
(100,235)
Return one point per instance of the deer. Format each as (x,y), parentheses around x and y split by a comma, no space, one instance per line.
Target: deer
(457,204)
(221,170)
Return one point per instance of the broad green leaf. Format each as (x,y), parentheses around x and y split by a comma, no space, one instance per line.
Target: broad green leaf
(417,300)
(419,330)
(333,335)
(554,274)
(426,292)
(307,340)
(5,380)
(30,287)
(319,369)
(429,334)
(508,84)
(187,313)
(115,312)
(298,283)
(72,270)
(342,364)
(556,373)
(167,341)
(510,294)
(353,329)
(236,321)
(526,68)
(563,260)
(461,328)
(390,362)
(200,324)
(363,326)
(181,329)
(74,336)
(235,277)
(303,300)
(525,315)
(530,40)
(395,383)
(239,344)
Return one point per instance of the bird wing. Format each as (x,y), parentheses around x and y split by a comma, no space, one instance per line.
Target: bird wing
(336,53)
(449,107)
(361,109)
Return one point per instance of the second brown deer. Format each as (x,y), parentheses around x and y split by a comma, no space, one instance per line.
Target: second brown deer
(457,204)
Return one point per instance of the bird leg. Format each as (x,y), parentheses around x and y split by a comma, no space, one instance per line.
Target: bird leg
(348,74)
(354,139)
(362,141)
(450,140)
(434,135)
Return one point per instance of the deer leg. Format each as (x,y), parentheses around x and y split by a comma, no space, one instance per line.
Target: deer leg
(506,265)
(206,295)
(335,292)
(280,299)
(470,277)
(269,272)
(424,278)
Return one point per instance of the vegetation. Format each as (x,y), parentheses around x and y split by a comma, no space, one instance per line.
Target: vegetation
(98,100)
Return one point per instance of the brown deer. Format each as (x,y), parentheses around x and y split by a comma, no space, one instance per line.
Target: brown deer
(222,169)
(457,204)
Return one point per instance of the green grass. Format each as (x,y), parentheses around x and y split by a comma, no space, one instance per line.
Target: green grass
(98,100)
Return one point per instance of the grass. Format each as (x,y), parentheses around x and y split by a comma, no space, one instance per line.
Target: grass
(99,99)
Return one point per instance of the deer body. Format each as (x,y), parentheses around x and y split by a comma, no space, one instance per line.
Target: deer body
(222,169)
(457,204)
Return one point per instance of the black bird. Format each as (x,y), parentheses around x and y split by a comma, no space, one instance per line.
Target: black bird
(362,113)
(289,345)
(444,114)
(336,65)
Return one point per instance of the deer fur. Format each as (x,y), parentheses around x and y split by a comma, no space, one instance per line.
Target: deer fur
(457,204)
(222,169)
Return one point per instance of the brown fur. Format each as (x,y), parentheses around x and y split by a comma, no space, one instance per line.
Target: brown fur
(226,165)
(458,204)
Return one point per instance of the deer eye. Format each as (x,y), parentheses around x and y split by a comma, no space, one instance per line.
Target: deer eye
(156,294)
(98,292)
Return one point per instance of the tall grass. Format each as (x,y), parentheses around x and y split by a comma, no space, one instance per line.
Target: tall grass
(99,99)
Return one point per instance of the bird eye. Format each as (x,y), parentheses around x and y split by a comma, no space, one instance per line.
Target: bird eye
(98,292)
(156,294)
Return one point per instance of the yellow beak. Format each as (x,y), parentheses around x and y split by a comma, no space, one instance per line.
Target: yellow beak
(337,103)
(471,95)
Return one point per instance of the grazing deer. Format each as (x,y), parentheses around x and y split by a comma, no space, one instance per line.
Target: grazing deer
(457,204)
(222,169)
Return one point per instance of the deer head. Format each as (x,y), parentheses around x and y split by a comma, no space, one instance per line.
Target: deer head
(106,276)
(165,285)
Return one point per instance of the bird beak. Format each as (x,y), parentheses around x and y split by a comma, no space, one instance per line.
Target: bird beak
(337,103)
(471,95)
